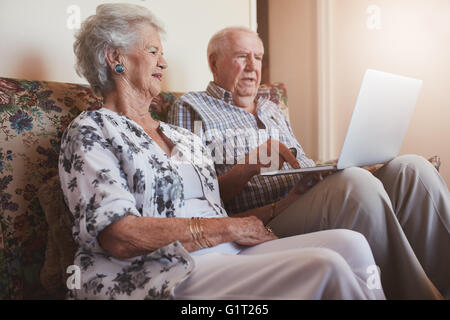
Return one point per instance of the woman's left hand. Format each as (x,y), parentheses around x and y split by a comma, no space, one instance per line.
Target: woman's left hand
(251,231)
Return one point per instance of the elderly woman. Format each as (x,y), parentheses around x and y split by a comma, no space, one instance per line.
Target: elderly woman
(149,221)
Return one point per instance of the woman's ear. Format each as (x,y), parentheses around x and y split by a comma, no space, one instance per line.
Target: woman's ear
(113,58)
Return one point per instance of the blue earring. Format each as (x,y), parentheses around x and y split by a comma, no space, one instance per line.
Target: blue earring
(119,68)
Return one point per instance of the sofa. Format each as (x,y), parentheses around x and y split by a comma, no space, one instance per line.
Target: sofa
(35,226)
(35,238)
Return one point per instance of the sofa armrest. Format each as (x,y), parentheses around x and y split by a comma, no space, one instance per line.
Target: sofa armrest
(434,160)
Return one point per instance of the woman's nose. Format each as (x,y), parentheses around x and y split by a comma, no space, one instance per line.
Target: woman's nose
(162,63)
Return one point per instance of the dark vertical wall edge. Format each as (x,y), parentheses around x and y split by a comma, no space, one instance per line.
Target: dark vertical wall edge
(262,8)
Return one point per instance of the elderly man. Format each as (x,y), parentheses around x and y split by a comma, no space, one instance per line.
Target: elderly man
(403,209)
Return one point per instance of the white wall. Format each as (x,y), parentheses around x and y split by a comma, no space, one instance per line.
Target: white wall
(407,37)
(411,38)
(37,44)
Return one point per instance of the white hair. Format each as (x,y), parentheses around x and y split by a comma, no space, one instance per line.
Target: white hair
(113,26)
(219,42)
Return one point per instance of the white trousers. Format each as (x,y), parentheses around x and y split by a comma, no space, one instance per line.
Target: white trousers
(334,264)
(403,210)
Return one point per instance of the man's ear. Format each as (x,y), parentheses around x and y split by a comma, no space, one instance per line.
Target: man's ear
(113,57)
(212,60)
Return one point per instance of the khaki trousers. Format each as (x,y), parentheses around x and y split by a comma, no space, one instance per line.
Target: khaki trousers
(403,210)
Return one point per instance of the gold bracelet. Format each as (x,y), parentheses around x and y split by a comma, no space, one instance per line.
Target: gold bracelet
(194,233)
(272,210)
(190,228)
(197,233)
(202,237)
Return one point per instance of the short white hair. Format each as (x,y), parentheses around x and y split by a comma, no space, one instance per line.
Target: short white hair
(219,42)
(113,26)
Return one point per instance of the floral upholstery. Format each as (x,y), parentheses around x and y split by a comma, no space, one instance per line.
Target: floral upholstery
(33,115)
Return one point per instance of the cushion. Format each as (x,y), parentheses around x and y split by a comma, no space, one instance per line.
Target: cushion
(61,247)
(276,92)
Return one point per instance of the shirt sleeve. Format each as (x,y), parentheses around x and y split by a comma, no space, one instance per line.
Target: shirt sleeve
(183,115)
(94,186)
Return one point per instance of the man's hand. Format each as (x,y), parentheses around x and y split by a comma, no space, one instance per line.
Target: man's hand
(271,154)
(233,181)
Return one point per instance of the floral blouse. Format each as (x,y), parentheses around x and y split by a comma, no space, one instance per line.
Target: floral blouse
(109,168)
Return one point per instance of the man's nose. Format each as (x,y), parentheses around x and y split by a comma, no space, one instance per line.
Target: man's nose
(250,63)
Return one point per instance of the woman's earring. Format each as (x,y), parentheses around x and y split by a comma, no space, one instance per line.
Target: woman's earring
(119,68)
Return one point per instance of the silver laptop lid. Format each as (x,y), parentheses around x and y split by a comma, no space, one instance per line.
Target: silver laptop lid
(380,119)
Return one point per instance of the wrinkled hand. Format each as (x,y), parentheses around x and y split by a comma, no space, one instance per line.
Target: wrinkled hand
(262,157)
(251,231)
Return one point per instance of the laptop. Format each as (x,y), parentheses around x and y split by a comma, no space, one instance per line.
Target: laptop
(381,116)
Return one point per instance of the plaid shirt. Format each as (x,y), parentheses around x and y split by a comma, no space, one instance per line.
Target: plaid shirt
(231,132)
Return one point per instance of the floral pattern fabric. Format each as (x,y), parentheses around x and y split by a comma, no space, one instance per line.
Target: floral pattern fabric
(33,115)
(110,168)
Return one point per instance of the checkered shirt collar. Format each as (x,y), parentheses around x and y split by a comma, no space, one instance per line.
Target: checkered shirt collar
(216,91)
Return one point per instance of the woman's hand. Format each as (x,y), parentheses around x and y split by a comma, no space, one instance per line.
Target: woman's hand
(250,231)
(133,236)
